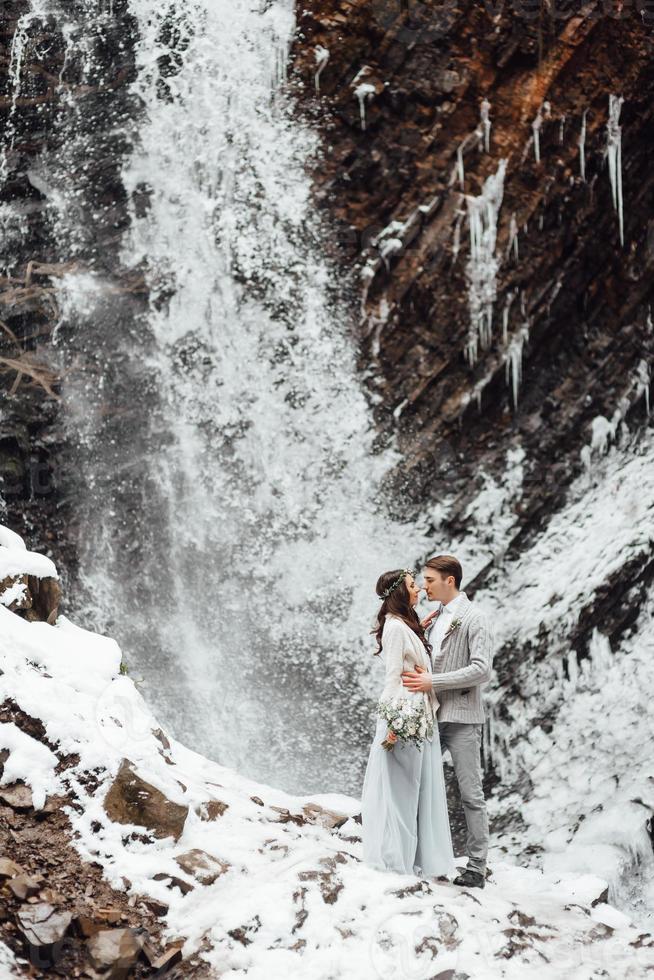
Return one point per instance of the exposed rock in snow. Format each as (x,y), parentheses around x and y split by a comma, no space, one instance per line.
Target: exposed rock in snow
(281,890)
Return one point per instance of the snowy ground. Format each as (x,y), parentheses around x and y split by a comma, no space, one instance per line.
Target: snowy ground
(296,898)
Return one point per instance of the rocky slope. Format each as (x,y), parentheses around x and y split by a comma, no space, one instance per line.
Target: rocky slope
(127,854)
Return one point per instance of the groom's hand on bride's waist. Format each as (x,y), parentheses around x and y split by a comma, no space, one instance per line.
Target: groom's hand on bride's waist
(418,680)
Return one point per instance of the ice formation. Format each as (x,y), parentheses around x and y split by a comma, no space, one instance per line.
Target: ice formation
(614,154)
(483,264)
(321,56)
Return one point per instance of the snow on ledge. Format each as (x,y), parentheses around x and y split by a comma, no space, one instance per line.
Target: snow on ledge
(15,559)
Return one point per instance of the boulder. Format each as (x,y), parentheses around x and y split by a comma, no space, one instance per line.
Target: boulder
(115,951)
(131,800)
(17,796)
(42,929)
(204,867)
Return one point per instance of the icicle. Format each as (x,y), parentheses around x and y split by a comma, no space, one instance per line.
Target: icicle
(561,127)
(505,317)
(514,361)
(643,382)
(364,91)
(321,56)
(582,146)
(586,455)
(459,165)
(486,123)
(483,264)
(513,237)
(536,125)
(614,152)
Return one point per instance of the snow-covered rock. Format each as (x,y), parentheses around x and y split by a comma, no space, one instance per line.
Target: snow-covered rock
(286,894)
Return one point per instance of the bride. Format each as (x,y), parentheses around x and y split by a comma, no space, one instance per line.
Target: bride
(404,805)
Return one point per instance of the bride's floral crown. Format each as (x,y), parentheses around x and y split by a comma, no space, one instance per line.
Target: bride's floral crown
(394,585)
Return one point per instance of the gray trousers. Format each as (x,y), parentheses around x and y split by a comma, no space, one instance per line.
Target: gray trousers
(463,740)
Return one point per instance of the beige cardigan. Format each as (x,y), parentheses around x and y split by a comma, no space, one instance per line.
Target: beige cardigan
(403,651)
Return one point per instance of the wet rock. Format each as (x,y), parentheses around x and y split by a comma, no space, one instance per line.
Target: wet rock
(115,951)
(131,800)
(202,866)
(42,929)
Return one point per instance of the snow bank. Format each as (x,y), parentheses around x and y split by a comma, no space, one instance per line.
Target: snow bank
(295,898)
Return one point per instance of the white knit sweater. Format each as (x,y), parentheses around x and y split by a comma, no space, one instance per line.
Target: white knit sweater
(463,665)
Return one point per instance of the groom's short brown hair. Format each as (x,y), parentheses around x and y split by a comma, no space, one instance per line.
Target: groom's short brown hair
(447,565)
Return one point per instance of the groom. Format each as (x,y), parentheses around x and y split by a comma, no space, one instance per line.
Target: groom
(462,657)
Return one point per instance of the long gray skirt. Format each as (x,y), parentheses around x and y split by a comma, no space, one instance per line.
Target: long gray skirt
(404,808)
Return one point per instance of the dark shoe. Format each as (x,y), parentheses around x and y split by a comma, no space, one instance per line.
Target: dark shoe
(470,879)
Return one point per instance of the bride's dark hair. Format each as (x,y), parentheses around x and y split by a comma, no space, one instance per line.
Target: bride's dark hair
(397,603)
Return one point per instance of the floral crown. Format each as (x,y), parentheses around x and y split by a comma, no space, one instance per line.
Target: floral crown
(394,585)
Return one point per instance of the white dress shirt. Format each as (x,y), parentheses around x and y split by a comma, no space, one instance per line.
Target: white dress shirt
(442,624)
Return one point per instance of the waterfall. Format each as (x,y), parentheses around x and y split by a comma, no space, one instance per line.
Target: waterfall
(220,448)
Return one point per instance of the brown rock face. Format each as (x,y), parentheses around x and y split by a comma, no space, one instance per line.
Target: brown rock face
(39,598)
(131,800)
(566,324)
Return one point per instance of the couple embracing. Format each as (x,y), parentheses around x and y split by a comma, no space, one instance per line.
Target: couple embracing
(431,702)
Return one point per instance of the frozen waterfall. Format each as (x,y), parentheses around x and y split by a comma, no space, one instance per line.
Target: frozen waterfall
(230,528)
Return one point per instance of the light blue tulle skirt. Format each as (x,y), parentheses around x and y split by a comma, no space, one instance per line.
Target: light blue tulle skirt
(404,816)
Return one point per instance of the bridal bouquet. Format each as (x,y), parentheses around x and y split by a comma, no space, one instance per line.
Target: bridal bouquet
(406,717)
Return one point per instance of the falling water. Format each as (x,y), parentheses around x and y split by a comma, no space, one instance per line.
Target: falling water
(230,526)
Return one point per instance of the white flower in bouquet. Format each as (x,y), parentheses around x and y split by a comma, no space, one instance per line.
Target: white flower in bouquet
(406,718)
